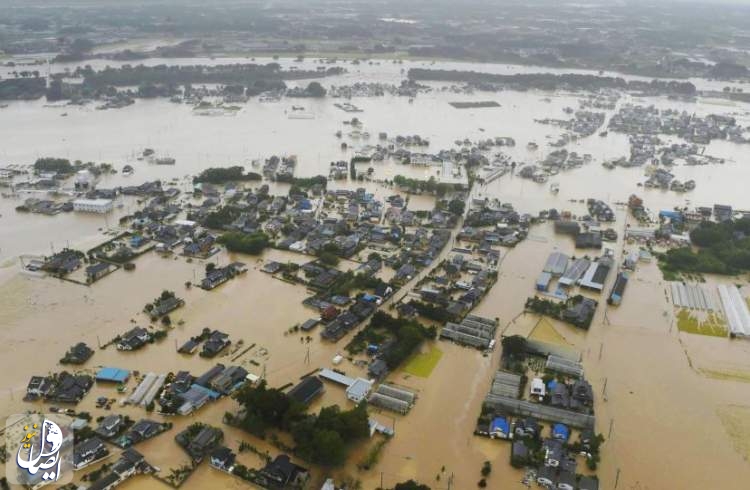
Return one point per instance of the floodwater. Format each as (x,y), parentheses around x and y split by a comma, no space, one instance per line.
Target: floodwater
(259,130)
(668,423)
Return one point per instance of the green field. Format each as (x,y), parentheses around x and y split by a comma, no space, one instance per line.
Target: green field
(422,364)
(713,325)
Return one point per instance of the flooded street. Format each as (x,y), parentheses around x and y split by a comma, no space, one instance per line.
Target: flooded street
(673,407)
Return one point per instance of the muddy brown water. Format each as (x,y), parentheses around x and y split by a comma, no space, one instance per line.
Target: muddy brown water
(676,403)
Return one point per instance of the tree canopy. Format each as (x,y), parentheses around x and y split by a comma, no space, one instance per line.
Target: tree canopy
(220,175)
(247,243)
(724,249)
(411,485)
(321,439)
(49,164)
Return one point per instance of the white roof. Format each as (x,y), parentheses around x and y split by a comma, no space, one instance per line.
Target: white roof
(735,309)
(93,202)
(185,222)
(359,388)
(332,375)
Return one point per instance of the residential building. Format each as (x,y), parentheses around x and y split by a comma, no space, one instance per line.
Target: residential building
(100,206)
(307,390)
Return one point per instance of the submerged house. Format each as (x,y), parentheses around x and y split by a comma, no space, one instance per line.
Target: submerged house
(222,458)
(217,341)
(199,440)
(307,390)
(618,290)
(78,354)
(88,451)
(499,428)
(110,426)
(133,339)
(70,388)
(164,306)
(97,271)
(229,379)
(282,473)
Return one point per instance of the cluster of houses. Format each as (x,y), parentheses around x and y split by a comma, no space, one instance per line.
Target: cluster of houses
(213,341)
(568,273)
(563,398)
(199,440)
(552,457)
(491,223)
(59,264)
(460,284)
(61,388)
(141,431)
(637,119)
(338,324)
(183,394)
(219,275)
(130,463)
(278,474)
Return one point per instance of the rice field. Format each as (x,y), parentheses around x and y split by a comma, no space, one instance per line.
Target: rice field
(736,421)
(712,325)
(546,332)
(422,364)
(726,375)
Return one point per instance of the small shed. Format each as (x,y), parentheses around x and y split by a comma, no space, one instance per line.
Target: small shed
(499,428)
(542,282)
(112,375)
(358,390)
(560,432)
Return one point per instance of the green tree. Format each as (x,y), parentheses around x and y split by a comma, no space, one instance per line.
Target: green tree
(457,206)
(315,89)
(514,346)
(328,448)
(329,258)
(411,485)
(252,243)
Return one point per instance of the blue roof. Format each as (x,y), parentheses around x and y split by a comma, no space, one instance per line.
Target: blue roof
(500,424)
(560,431)
(211,393)
(114,375)
(369,297)
(551,385)
(672,215)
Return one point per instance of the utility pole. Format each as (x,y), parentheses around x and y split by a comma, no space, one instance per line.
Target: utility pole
(617,477)
(611,423)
